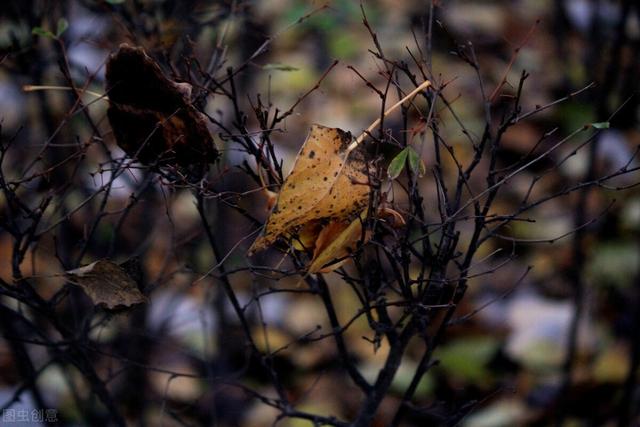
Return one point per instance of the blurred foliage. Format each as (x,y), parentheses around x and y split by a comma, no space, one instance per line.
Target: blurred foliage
(507,359)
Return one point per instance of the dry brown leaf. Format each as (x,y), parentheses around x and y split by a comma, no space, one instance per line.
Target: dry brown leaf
(328,234)
(107,284)
(328,181)
(152,117)
(337,240)
(272,198)
(305,238)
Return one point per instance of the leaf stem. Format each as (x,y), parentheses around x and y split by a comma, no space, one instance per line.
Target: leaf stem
(390,110)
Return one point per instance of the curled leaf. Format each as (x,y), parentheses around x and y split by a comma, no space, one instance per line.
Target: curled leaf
(108,284)
(335,243)
(337,240)
(305,239)
(391,216)
(272,198)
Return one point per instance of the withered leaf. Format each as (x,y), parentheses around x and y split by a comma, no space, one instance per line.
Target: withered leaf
(328,181)
(335,243)
(106,283)
(306,237)
(339,239)
(152,117)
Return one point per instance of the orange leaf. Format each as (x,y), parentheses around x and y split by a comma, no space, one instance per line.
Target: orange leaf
(328,181)
(271,198)
(305,239)
(336,242)
(327,235)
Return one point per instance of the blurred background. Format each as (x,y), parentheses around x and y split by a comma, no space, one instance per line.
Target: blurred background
(175,360)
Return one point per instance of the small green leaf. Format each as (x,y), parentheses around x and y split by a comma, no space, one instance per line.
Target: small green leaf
(39,31)
(415,162)
(115,1)
(63,24)
(600,125)
(279,67)
(397,164)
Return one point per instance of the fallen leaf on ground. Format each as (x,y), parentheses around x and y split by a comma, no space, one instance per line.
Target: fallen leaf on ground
(106,283)
(328,181)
